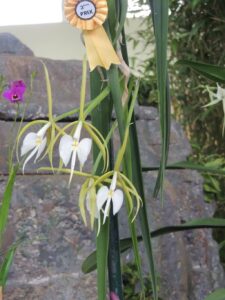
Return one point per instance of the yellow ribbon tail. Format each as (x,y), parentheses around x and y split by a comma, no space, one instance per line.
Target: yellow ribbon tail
(100,51)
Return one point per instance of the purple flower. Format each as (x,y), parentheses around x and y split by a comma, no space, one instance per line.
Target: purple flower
(15,91)
(113,296)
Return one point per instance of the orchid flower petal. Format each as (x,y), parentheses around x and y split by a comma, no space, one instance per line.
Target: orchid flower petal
(43,130)
(29,143)
(107,209)
(212,103)
(220,93)
(102,196)
(113,183)
(73,163)
(41,148)
(223,105)
(83,150)
(65,148)
(78,131)
(117,199)
(29,157)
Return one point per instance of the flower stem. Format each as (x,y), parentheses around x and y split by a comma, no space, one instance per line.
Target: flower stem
(83,89)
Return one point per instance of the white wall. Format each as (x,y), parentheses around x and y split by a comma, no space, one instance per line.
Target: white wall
(57,41)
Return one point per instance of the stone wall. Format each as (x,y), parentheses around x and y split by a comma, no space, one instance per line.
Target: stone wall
(48,265)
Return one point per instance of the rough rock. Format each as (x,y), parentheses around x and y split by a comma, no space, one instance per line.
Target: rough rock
(187,262)
(65,79)
(48,264)
(9,44)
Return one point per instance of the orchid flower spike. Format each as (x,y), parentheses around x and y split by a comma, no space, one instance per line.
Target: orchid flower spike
(107,195)
(34,143)
(71,147)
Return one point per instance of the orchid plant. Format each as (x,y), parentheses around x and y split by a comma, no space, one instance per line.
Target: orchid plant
(103,192)
(109,185)
(115,179)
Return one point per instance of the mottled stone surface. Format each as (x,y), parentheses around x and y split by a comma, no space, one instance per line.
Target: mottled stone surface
(187,262)
(48,264)
(12,45)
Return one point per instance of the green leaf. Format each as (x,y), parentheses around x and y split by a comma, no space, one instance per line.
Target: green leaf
(160,9)
(217,295)
(102,259)
(101,117)
(7,262)
(6,200)
(213,72)
(127,161)
(190,166)
(89,264)
(122,19)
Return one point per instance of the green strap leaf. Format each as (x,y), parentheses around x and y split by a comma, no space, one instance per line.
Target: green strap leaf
(6,200)
(101,117)
(217,295)
(7,262)
(212,72)
(89,264)
(190,166)
(122,19)
(160,9)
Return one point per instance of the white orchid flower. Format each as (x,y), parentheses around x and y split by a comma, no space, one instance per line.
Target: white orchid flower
(217,97)
(106,195)
(71,147)
(34,142)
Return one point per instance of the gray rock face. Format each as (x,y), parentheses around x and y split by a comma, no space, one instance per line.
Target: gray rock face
(65,80)
(47,265)
(9,44)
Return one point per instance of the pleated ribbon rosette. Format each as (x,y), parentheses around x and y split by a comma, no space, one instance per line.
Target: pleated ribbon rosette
(89,16)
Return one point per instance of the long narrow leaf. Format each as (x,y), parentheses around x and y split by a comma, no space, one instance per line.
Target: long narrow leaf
(101,117)
(89,264)
(160,22)
(137,179)
(122,19)
(190,166)
(212,72)
(6,200)
(7,262)
(127,161)
(217,295)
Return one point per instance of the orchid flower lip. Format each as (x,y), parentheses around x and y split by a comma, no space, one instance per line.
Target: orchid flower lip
(71,147)
(106,196)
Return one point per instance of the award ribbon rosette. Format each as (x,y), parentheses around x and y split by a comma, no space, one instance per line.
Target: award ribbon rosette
(89,16)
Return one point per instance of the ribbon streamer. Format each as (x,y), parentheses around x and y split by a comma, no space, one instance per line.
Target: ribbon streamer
(89,15)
